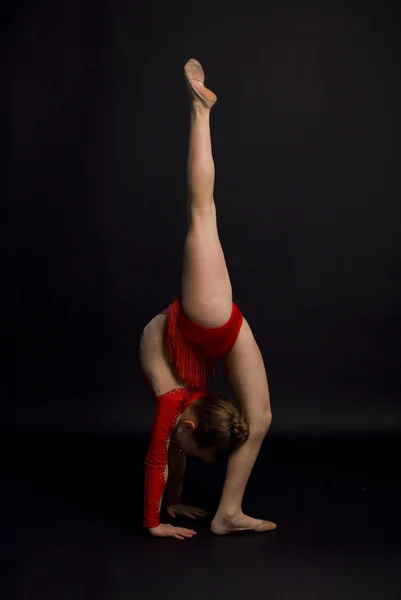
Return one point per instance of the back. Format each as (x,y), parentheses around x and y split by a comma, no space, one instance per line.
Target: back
(154,357)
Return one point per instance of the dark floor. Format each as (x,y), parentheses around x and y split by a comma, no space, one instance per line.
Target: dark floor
(72,510)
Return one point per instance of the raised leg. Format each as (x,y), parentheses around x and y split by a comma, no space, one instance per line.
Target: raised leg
(206,288)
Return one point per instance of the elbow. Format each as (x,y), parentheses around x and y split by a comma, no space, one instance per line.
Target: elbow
(259,428)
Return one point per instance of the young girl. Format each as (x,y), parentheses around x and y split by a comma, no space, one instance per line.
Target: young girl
(179,348)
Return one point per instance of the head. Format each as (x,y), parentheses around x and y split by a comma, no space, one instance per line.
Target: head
(211,428)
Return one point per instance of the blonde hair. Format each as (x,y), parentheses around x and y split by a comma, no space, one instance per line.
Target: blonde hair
(220,426)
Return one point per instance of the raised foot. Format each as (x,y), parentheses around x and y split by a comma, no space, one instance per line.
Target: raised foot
(241,523)
(195,77)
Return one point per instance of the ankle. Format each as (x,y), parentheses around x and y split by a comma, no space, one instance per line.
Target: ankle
(229,514)
(198,111)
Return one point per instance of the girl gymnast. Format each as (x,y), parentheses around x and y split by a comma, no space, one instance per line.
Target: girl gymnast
(178,351)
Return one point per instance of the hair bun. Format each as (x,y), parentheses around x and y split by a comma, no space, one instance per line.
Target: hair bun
(239,430)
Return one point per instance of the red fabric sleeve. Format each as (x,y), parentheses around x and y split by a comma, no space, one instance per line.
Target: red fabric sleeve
(169,407)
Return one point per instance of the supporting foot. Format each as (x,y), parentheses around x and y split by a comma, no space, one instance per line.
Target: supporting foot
(195,77)
(241,523)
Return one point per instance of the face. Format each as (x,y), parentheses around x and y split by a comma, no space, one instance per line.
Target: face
(185,440)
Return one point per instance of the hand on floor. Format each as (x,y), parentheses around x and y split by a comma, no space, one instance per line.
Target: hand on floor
(166,530)
(185,511)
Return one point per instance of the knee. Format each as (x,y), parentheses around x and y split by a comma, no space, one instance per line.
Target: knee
(259,428)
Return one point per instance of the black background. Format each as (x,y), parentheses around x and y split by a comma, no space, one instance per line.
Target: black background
(306,140)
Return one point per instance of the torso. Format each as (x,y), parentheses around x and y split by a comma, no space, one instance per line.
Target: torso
(155,359)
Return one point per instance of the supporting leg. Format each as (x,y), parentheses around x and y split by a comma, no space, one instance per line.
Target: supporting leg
(246,371)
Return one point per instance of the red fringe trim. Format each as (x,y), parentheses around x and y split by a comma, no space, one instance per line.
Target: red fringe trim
(188,360)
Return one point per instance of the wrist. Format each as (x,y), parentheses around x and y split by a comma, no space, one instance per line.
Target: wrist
(150,524)
(173,500)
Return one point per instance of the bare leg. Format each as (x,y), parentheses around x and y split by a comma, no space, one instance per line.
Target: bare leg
(246,371)
(206,287)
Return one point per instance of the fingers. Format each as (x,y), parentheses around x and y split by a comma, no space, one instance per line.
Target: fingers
(187,511)
(187,532)
(199,512)
(182,533)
